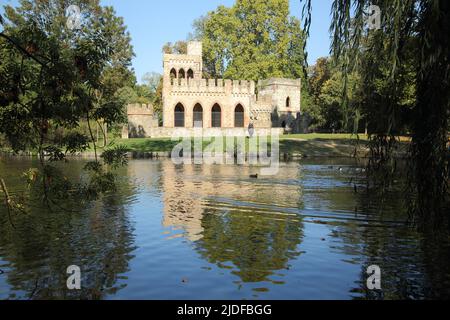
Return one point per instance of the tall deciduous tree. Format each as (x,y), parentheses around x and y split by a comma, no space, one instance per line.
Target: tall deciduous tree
(251,40)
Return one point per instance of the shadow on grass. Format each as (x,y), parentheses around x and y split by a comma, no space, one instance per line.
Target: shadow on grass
(322,147)
(316,147)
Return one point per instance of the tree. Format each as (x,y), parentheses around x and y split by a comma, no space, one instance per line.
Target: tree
(318,75)
(158,100)
(117,73)
(425,24)
(179,47)
(251,40)
(326,107)
(151,80)
(330,101)
(54,78)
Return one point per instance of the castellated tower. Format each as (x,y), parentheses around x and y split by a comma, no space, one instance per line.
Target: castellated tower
(285,95)
(190,101)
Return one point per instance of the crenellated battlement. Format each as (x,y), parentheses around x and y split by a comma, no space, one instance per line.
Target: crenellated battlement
(213,85)
(140,109)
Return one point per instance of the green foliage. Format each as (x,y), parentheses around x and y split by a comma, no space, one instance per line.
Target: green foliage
(251,40)
(179,47)
(405,71)
(128,94)
(116,156)
(151,80)
(158,100)
(75,142)
(326,106)
(150,92)
(54,80)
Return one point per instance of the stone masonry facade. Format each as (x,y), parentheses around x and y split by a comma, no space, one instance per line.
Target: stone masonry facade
(190,101)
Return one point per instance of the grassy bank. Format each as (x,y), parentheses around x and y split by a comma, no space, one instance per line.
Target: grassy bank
(304,145)
(311,145)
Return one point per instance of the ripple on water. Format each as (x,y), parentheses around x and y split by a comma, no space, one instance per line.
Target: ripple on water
(211,232)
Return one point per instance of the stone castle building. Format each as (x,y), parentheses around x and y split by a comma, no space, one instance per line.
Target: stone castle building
(189,100)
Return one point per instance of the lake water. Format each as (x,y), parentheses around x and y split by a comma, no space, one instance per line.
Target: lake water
(212,232)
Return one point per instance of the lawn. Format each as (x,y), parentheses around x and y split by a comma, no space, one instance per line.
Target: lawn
(332,145)
(310,145)
(324,136)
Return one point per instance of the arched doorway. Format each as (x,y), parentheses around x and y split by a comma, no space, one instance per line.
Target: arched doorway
(179,116)
(239,116)
(216,116)
(198,116)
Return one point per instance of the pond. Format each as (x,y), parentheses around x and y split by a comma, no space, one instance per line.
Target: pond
(212,232)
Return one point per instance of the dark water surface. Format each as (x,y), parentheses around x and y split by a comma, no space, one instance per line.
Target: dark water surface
(211,232)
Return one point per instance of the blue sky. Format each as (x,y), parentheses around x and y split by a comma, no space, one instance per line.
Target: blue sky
(152,23)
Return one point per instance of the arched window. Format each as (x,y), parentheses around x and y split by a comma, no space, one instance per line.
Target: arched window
(173,75)
(190,74)
(181,74)
(288,102)
(179,116)
(216,116)
(239,116)
(198,116)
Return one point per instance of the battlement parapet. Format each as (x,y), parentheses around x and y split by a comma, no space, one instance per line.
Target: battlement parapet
(140,109)
(279,82)
(213,85)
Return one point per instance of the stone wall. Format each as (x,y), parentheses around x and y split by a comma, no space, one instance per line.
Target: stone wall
(285,95)
(141,121)
(227,94)
(162,132)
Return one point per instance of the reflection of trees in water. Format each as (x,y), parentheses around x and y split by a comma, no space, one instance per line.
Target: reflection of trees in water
(231,217)
(413,266)
(257,244)
(98,239)
(436,255)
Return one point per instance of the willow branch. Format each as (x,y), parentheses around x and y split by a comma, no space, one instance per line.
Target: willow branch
(8,201)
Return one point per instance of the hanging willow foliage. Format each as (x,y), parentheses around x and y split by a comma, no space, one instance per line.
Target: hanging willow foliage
(412,33)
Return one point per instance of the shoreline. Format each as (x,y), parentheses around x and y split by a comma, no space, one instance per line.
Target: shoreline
(290,147)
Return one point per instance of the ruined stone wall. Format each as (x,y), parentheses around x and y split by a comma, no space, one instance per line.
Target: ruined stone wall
(141,121)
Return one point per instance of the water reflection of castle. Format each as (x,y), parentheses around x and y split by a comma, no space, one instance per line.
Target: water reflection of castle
(191,191)
(232,218)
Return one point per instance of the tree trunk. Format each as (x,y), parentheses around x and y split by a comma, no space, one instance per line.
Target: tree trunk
(105,133)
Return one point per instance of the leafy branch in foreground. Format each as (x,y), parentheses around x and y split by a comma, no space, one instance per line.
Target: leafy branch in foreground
(55,81)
